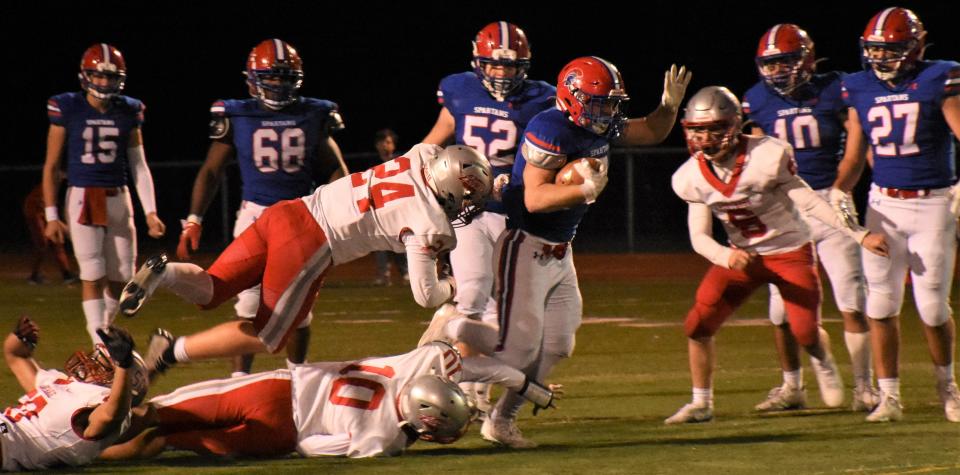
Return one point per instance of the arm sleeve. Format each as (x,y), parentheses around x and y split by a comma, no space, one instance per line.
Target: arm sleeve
(142,179)
(809,202)
(700,222)
(324,444)
(428,290)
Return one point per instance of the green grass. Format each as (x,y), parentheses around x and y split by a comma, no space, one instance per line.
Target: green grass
(621,383)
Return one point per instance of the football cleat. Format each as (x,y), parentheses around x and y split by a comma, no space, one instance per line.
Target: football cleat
(142,285)
(159,342)
(865,399)
(950,396)
(783,398)
(436,330)
(829,380)
(504,432)
(888,410)
(691,413)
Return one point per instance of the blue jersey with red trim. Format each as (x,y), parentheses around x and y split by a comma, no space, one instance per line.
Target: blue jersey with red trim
(492,127)
(911,141)
(96,141)
(276,150)
(552,132)
(811,121)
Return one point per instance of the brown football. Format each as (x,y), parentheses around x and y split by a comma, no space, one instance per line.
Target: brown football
(569,176)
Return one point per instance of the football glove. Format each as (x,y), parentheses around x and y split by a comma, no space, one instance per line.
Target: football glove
(189,238)
(27,332)
(119,344)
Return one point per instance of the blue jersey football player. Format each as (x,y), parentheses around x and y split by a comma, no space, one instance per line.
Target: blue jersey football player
(795,104)
(282,143)
(905,108)
(487,109)
(100,131)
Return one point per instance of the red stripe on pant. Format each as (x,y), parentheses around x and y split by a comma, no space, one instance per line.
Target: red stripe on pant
(507,272)
(252,420)
(722,291)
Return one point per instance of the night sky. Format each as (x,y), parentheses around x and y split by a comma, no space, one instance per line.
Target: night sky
(381,64)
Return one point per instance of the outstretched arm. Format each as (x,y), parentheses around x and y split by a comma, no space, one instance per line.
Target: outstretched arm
(655,127)
(108,417)
(18,352)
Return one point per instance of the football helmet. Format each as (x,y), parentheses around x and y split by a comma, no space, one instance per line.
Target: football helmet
(712,122)
(274,73)
(785,58)
(501,44)
(435,407)
(591,91)
(892,43)
(104,60)
(95,367)
(461,179)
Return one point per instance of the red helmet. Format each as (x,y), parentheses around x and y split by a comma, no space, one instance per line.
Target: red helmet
(785,58)
(102,59)
(94,367)
(501,44)
(270,61)
(892,43)
(591,91)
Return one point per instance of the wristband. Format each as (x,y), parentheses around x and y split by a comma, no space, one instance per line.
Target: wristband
(51,213)
(192,218)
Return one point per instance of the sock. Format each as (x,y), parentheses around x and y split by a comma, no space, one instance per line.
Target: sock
(703,396)
(189,281)
(176,353)
(110,307)
(858,345)
(93,310)
(944,374)
(237,374)
(794,378)
(889,386)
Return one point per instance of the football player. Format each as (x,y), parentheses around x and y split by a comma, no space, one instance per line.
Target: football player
(487,109)
(750,184)
(795,104)
(67,418)
(100,131)
(538,296)
(348,408)
(408,204)
(907,108)
(283,145)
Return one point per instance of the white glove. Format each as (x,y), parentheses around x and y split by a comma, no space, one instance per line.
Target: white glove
(675,86)
(842,203)
(593,180)
(499,183)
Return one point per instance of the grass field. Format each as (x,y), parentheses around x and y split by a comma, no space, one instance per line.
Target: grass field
(629,372)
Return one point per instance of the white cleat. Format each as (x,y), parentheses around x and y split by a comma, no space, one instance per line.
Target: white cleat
(691,413)
(829,380)
(142,285)
(888,410)
(950,396)
(160,341)
(504,432)
(436,332)
(865,399)
(783,398)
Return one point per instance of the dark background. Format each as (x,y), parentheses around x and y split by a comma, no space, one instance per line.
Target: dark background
(382,62)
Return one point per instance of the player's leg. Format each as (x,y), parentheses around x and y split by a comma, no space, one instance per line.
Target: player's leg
(248,301)
(88,249)
(720,293)
(840,257)
(932,253)
(790,394)
(885,291)
(120,251)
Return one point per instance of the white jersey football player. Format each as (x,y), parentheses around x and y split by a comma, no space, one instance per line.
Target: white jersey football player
(363,408)
(751,185)
(408,204)
(67,418)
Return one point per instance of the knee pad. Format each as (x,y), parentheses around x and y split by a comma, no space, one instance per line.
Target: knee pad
(934,314)
(92,267)
(881,306)
(248,301)
(698,323)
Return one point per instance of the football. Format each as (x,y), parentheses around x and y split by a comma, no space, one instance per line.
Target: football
(569,175)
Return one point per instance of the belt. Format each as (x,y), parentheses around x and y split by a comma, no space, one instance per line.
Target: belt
(557,251)
(905,194)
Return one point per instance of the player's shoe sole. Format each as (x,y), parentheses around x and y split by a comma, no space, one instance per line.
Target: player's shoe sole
(142,285)
(435,331)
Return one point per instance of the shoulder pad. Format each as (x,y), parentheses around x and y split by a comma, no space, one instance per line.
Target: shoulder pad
(219,127)
(334,122)
(541,158)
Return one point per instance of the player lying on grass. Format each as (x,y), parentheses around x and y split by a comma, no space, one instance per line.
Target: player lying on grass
(67,418)
(365,408)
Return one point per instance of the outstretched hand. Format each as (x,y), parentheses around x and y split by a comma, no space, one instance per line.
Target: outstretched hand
(27,331)
(675,84)
(119,344)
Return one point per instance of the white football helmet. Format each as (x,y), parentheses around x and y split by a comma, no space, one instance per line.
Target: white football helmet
(712,122)
(436,408)
(461,179)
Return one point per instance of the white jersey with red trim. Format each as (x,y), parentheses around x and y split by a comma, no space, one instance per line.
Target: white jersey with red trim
(372,210)
(349,408)
(757,215)
(41,433)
